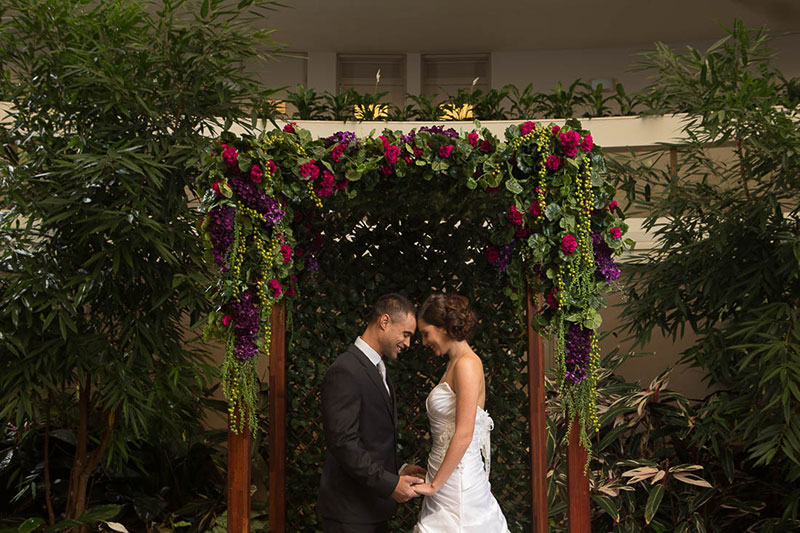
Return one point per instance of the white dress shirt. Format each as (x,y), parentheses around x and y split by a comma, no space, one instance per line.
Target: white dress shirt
(373,356)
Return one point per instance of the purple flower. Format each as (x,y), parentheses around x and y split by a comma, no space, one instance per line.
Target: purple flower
(439,130)
(245,325)
(220,229)
(311,262)
(500,257)
(577,349)
(257,199)
(604,264)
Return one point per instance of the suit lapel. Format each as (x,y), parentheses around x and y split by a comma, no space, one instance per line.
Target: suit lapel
(374,376)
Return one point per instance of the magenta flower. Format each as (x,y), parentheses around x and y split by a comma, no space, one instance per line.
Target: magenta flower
(387,169)
(613,205)
(286,252)
(553,162)
(256,173)
(473,139)
(336,154)
(309,170)
(492,255)
(555,129)
(615,233)
(391,153)
(568,244)
(272,167)
(569,142)
(587,143)
(326,184)
(551,298)
(217,191)
(230,157)
(535,209)
(527,127)
(226,320)
(289,128)
(446,151)
(486,146)
(275,287)
(514,216)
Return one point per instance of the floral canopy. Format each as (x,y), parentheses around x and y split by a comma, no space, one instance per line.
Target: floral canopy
(558,234)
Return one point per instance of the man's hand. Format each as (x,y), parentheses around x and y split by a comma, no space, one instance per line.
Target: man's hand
(414,470)
(425,489)
(404,491)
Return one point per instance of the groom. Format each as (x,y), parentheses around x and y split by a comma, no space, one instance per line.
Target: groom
(360,487)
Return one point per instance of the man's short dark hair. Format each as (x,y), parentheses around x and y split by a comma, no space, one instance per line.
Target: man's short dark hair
(395,305)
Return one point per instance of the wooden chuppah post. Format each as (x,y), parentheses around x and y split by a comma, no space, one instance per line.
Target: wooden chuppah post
(239,464)
(536,393)
(577,481)
(277,421)
(239,477)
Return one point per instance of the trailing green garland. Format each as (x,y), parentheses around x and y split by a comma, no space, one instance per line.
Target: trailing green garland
(562,230)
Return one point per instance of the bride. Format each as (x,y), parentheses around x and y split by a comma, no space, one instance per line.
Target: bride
(457,493)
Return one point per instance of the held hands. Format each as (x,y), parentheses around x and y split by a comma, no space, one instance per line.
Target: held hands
(404,490)
(425,489)
(414,470)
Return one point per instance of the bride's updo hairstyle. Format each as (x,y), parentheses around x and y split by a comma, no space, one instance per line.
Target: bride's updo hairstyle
(451,312)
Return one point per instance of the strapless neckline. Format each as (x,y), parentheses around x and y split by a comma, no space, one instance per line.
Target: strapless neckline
(453,393)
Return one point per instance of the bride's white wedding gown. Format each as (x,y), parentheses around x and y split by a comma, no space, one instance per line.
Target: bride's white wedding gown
(465,503)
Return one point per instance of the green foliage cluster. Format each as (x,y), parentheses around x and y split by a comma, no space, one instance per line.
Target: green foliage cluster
(412,240)
(507,103)
(726,264)
(101,267)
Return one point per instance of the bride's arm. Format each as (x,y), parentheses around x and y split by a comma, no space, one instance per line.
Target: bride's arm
(466,384)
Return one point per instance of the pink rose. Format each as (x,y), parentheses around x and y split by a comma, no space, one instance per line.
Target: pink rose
(568,244)
(445,151)
(473,139)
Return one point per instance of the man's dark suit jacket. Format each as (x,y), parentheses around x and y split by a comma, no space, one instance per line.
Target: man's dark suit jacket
(359,419)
